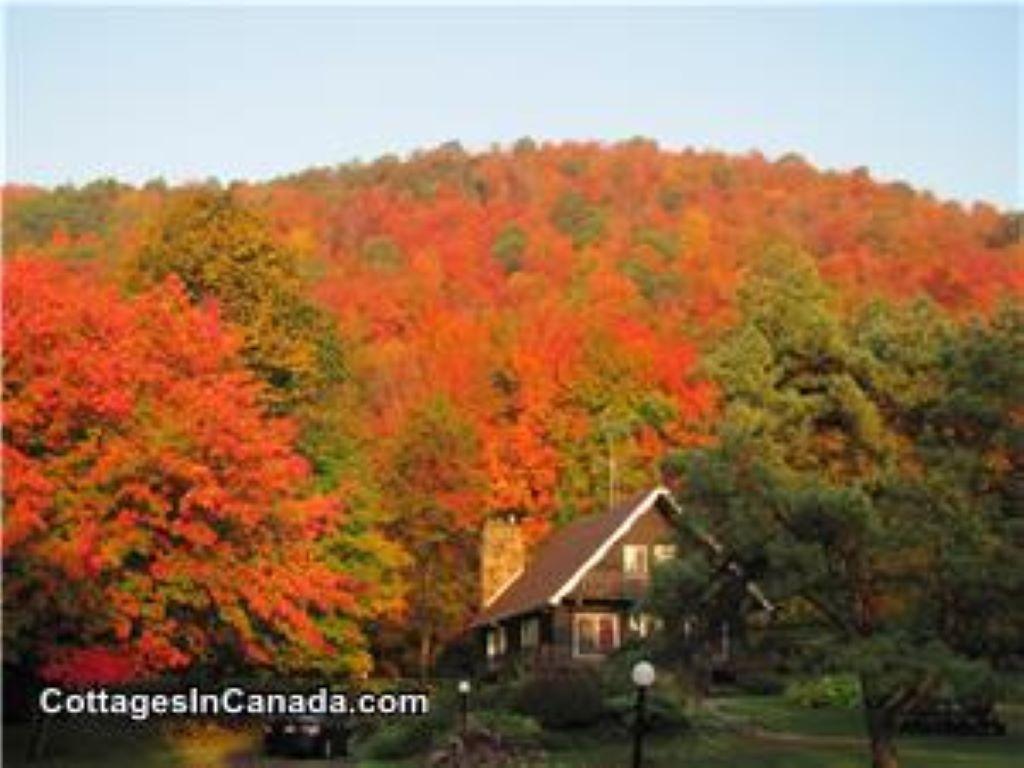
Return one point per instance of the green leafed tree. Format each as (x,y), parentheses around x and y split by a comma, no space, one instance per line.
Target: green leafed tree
(863,472)
(225,252)
(435,484)
(577,218)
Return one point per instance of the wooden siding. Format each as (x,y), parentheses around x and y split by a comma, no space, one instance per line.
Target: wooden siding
(605,588)
(607,580)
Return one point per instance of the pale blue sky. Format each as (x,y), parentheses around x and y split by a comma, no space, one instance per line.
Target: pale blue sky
(927,95)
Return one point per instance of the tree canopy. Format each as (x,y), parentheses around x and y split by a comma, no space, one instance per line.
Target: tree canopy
(155,516)
(555,319)
(863,475)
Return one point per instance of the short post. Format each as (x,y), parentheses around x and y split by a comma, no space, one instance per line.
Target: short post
(643,678)
(464,689)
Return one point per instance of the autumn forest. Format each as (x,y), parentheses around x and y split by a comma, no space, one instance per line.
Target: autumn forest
(260,426)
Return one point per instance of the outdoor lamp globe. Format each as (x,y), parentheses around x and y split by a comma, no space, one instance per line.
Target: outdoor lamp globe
(464,687)
(643,674)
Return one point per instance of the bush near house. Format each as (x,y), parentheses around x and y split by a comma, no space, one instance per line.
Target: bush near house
(761,684)
(837,691)
(397,738)
(400,739)
(519,731)
(663,713)
(563,698)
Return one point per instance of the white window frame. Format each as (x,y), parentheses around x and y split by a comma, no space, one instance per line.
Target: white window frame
(663,553)
(644,624)
(629,550)
(497,641)
(529,633)
(596,615)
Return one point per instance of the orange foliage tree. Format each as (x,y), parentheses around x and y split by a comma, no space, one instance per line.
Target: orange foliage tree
(557,297)
(155,517)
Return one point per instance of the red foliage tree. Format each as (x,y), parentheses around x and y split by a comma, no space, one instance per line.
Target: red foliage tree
(155,517)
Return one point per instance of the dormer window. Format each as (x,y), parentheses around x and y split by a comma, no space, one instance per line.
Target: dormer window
(663,552)
(634,561)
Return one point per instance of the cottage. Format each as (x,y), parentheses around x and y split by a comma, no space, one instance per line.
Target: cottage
(578,597)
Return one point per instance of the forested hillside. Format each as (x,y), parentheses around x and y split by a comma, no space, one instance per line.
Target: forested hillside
(322,385)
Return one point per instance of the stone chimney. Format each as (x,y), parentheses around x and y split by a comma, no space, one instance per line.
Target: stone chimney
(502,556)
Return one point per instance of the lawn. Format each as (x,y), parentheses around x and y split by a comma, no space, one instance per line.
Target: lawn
(787,737)
(744,752)
(738,732)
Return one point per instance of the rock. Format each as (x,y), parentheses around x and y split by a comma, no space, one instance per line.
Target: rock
(481,748)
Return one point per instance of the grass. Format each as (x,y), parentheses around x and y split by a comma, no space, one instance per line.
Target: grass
(739,752)
(794,737)
(788,737)
(774,714)
(94,743)
(732,750)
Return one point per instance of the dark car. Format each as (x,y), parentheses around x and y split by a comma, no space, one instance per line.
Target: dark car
(306,736)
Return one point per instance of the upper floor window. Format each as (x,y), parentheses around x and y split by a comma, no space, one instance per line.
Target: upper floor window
(663,552)
(634,560)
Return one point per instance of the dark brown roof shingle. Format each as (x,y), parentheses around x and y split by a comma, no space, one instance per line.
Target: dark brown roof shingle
(558,559)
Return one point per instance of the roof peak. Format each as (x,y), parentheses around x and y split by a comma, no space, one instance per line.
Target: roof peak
(565,556)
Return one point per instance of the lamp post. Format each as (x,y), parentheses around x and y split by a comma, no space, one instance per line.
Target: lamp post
(643,678)
(464,689)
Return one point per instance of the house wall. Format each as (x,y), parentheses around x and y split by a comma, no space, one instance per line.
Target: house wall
(606,580)
(562,626)
(513,630)
(603,589)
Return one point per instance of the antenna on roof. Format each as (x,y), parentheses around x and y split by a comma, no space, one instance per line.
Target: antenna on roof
(611,466)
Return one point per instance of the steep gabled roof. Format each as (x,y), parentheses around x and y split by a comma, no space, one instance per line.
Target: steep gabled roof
(569,553)
(563,559)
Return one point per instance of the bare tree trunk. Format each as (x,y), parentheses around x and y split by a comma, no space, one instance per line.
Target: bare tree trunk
(37,737)
(425,622)
(881,722)
(426,654)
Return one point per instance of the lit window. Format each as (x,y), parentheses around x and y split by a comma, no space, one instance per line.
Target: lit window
(596,634)
(529,633)
(663,552)
(634,560)
(644,624)
(497,642)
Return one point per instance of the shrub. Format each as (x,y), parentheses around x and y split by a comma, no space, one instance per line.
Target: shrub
(400,738)
(517,730)
(663,712)
(408,736)
(838,691)
(496,696)
(761,684)
(615,673)
(562,699)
